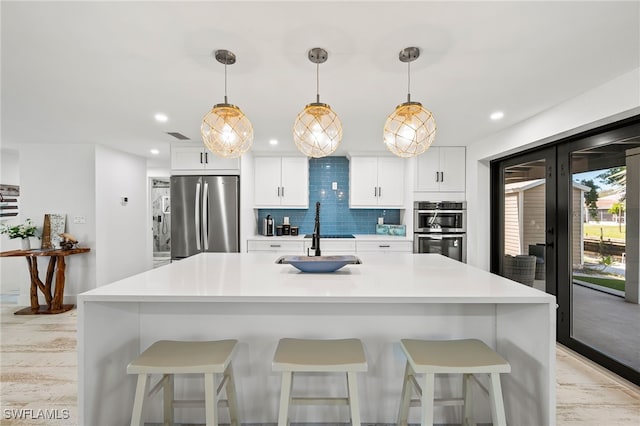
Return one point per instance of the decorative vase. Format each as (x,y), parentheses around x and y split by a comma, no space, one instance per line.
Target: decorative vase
(26,244)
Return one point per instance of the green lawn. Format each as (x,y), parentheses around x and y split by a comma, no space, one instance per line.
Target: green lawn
(608,231)
(604,282)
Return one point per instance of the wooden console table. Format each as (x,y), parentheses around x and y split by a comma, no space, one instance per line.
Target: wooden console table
(54,299)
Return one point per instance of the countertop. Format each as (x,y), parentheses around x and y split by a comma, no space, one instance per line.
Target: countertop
(255,277)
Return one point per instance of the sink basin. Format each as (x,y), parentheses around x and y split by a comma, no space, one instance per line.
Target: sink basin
(319,263)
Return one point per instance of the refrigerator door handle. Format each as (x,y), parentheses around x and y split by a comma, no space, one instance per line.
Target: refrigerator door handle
(205,216)
(197,216)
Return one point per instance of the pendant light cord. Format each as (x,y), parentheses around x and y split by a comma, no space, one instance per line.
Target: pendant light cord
(225,82)
(318,83)
(408,81)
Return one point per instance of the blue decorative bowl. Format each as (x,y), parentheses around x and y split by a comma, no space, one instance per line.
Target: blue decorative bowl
(319,264)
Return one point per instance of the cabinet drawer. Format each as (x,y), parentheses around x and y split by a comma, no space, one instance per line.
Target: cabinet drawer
(333,246)
(384,246)
(294,247)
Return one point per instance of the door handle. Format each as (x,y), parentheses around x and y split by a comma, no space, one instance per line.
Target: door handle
(205,216)
(196,218)
(550,232)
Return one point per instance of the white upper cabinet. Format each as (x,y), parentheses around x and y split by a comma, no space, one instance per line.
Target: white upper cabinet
(441,169)
(200,159)
(376,182)
(281,182)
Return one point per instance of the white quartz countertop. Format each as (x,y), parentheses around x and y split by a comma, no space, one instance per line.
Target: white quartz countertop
(255,277)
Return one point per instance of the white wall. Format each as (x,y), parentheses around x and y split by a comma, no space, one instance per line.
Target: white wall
(13,271)
(121,235)
(87,181)
(617,99)
(61,179)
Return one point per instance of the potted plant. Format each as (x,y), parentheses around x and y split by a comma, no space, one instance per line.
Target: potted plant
(22,231)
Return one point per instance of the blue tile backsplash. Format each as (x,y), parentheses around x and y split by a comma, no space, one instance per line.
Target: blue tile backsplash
(335,215)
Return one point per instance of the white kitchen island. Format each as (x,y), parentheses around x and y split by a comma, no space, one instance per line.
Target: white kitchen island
(250,298)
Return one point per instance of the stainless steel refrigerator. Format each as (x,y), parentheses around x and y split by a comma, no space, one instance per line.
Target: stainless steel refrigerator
(204,215)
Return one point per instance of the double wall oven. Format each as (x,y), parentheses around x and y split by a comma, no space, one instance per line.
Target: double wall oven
(440,227)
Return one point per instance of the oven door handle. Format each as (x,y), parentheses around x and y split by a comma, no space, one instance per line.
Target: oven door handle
(436,236)
(439,211)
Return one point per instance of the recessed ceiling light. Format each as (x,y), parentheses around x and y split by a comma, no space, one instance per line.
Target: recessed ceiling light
(273,141)
(161,118)
(155,151)
(496,115)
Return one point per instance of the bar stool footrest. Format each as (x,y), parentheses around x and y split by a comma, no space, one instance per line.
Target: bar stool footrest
(303,400)
(197,403)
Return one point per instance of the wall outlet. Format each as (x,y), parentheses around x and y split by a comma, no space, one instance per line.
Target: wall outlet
(334,185)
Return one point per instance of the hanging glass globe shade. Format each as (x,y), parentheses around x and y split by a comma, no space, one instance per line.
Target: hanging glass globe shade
(225,130)
(410,129)
(317,130)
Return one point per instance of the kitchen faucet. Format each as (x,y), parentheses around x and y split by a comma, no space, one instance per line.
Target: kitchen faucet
(315,237)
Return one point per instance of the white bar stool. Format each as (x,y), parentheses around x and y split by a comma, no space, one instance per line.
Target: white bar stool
(324,356)
(168,357)
(467,357)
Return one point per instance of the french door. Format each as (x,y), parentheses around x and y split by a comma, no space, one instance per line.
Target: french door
(571,206)
(524,198)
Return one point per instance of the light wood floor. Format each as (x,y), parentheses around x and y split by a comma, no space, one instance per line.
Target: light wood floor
(38,372)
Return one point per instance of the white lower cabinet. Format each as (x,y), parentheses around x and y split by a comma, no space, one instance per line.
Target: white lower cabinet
(330,246)
(276,246)
(384,246)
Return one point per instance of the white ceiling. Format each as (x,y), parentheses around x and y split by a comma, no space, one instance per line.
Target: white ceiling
(89,72)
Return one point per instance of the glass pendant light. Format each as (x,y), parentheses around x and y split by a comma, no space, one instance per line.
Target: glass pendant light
(225,130)
(317,130)
(410,129)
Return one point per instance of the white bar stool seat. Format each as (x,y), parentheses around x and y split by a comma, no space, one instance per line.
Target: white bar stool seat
(321,356)
(467,357)
(168,357)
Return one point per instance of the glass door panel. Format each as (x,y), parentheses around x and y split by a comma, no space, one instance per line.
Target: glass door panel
(604,314)
(525,230)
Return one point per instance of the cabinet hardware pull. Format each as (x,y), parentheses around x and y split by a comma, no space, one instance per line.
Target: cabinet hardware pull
(206,157)
(278,191)
(274,245)
(384,246)
(200,158)
(437,177)
(283,191)
(379,191)
(441,176)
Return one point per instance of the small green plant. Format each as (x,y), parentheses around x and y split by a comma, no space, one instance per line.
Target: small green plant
(606,261)
(24,230)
